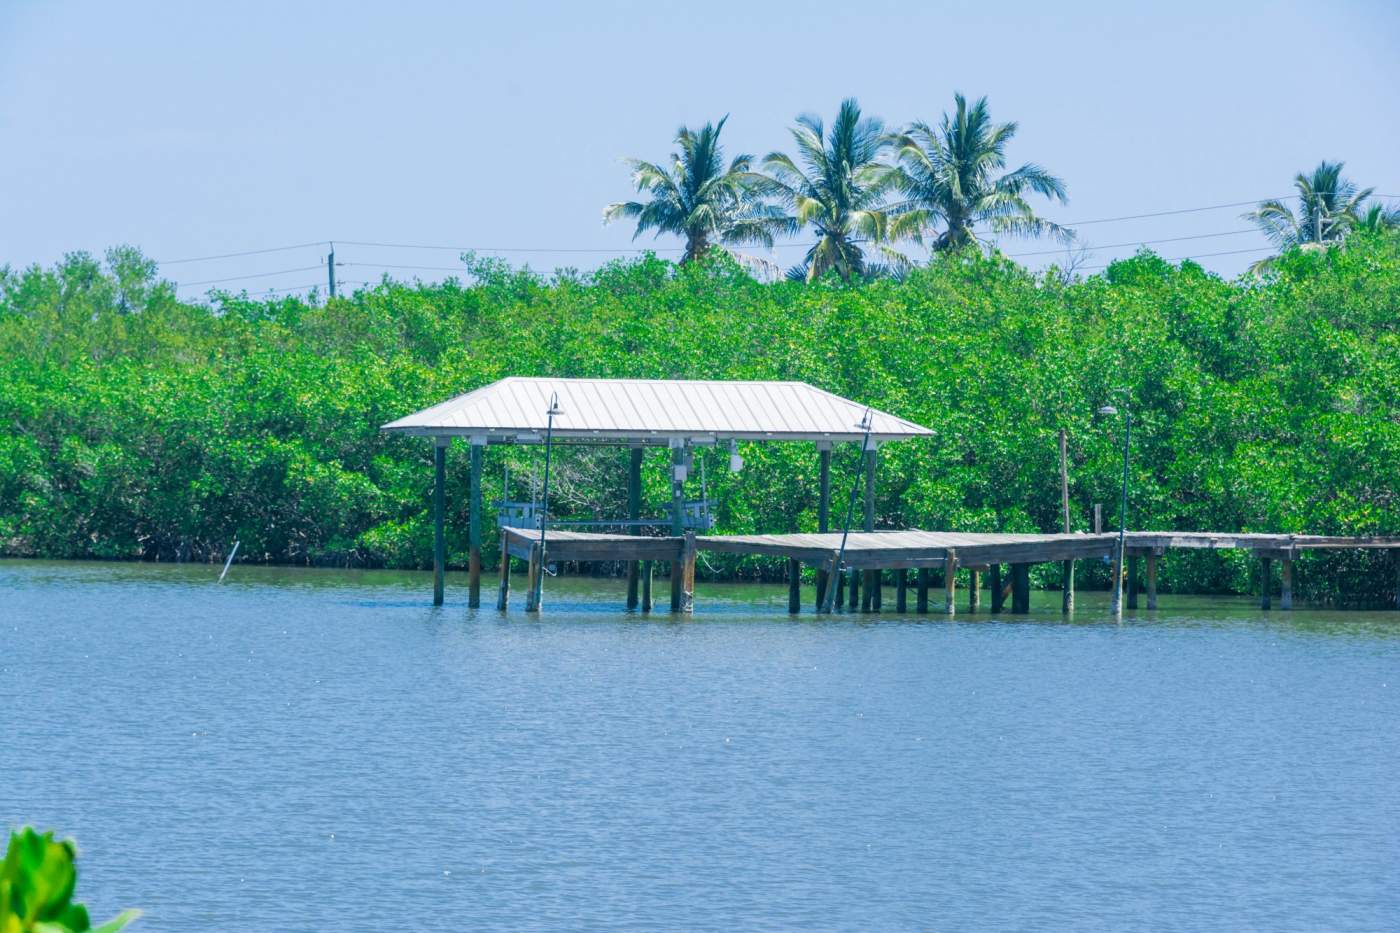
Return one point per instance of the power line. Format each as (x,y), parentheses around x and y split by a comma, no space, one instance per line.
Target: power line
(1227,252)
(255,275)
(247,252)
(1090,246)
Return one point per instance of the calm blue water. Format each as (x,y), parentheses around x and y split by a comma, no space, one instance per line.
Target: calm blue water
(311,750)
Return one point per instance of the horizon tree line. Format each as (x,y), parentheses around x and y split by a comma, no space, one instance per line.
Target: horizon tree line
(862,189)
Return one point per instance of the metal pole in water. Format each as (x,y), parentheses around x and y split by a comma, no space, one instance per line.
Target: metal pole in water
(229,562)
(538,582)
(865,423)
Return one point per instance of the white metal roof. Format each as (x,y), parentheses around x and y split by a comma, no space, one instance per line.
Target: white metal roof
(654,411)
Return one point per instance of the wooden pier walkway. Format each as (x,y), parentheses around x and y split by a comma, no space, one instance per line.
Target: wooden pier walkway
(868,556)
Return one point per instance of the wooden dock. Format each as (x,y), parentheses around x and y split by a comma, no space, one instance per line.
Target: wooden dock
(869,556)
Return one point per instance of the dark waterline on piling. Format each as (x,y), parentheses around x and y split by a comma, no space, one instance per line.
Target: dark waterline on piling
(304,749)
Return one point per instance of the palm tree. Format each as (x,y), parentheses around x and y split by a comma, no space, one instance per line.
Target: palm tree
(1328,207)
(698,198)
(1378,217)
(948,177)
(839,189)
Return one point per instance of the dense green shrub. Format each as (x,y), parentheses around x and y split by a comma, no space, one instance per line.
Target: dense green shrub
(37,880)
(140,426)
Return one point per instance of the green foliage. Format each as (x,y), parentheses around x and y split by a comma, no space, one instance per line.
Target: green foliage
(36,888)
(698,198)
(138,426)
(946,176)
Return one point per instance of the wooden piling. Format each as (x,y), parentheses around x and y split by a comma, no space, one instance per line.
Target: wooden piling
(474,526)
(1266,567)
(867,599)
(854,585)
(1285,596)
(648,571)
(794,570)
(439,508)
(533,589)
(1132,581)
(974,590)
(823,511)
(1021,588)
(688,573)
(1067,568)
(950,581)
(678,469)
(901,591)
(1151,581)
(838,598)
(921,591)
(634,514)
(998,593)
(503,594)
(871,599)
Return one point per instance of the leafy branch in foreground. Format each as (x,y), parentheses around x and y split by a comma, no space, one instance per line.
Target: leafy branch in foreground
(36,888)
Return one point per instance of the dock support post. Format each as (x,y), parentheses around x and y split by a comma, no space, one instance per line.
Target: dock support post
(1151,581)
(503,595)
(855,590)
(974,590)
(1266,566)
(872,577)
(1021,588)
(823,511)
(794,586)
(1067,570)
(998,593)
(474,526)
(688,573)
(839,581)
(678,471)
(647,573)
(634,513)
(1395,562)
(1285,596)
(1132,581)
(901,590)
(439,507)
(1115,592)
(533,592)
(921,591)
(950,581)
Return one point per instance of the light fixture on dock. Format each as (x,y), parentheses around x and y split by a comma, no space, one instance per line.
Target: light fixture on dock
(1116,594)
(736,462)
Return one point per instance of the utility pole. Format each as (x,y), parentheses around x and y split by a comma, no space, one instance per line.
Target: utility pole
(330,269)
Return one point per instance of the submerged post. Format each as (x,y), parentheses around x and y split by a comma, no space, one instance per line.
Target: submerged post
(872,577)
(478,445)
(1132,581)
(678,475)
(950,581)
(503,594)
(688,573)
(647,573)
(794,575)
(1067,570)
(974,590)
(1152,580)
(439,507)
(1021,588)
(823,511)
(998,591)
(634,514)
(1266,567)
(1285,596)
(901,590)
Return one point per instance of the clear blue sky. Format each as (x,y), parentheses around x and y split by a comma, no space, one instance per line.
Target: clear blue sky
(195,128)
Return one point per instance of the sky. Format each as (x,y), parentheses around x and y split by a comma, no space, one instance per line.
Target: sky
(199,129)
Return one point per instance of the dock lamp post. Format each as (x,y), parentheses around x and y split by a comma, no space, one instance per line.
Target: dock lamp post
(1116,600)
(554,409)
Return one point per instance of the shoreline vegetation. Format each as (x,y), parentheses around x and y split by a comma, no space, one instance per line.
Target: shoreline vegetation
(139,426)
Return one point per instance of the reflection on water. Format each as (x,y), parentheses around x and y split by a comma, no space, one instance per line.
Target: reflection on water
(304,749)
